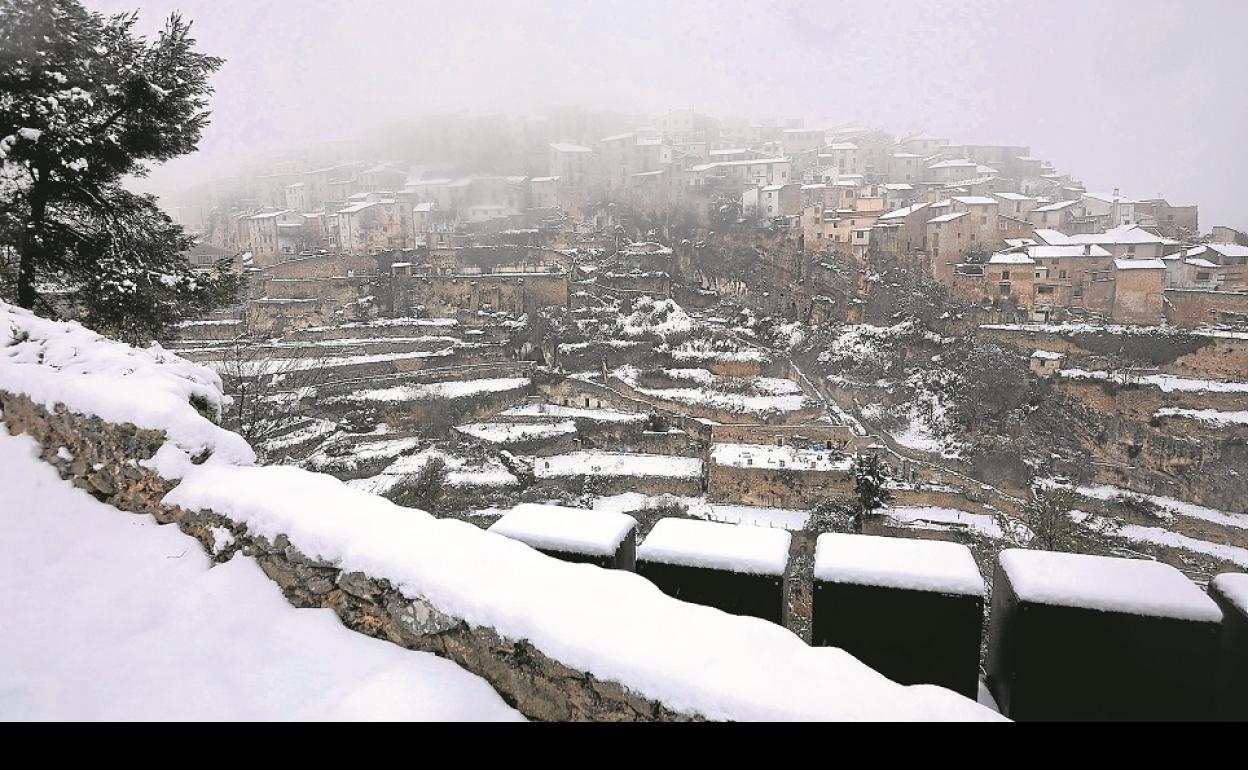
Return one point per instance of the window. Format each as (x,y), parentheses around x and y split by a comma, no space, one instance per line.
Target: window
(1005,275)
(1044,289)
(1061,274)
(1203,276)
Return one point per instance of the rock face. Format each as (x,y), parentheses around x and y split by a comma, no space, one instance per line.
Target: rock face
(106,460)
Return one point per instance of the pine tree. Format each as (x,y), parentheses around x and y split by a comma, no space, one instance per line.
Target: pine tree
(84,103)
(871,491)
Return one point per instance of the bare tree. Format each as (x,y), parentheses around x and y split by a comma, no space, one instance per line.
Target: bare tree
(422,489)
(266,390)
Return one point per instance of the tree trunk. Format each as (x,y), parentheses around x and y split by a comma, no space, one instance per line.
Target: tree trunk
(31,249)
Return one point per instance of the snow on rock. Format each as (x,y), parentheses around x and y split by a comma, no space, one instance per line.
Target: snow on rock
(571,412)
(732,547)
(109,616)
(1211,416)
(896,562)
(658,317)
(1173,505)
(435,390)
(1167,539)
(460,472)
(952,520)
(558,528)
(1166,382)
(598,463)
(1132,586)
(708,395)
(1234,586)
(701,350)
(613,624)
(55,362)
(514,432)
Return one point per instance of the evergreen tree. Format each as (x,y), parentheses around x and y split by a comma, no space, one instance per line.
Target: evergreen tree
(84,103)
(871,491)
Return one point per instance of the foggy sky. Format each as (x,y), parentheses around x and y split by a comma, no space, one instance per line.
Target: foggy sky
(1145,95)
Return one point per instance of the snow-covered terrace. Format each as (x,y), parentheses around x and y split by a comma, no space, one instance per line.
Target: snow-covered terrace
(615,626)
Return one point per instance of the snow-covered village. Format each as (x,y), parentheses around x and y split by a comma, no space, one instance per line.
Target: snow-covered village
(551,407)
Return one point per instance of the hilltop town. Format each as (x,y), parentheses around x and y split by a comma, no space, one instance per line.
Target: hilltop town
(701,318)
(594,415)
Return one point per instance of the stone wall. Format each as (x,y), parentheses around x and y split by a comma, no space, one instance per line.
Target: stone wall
(776,487)
(1192,307)
(449,295)
(106,462)
(324,265)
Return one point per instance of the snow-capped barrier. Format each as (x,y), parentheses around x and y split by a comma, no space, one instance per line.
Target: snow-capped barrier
(557,640)
(911,609)
(1079,637)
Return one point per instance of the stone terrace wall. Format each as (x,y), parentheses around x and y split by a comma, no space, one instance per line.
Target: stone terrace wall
(106,463)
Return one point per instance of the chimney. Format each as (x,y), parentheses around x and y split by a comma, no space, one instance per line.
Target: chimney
(1116,193)
(1087,249)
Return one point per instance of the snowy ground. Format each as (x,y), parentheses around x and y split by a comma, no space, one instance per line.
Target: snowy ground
(108,616)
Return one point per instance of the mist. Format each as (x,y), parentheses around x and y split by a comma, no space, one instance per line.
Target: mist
(1138,95)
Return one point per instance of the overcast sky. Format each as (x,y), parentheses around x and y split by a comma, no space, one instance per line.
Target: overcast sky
(1147,95)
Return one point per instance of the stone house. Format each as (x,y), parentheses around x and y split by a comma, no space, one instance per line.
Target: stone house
(1139,291)
(268,241)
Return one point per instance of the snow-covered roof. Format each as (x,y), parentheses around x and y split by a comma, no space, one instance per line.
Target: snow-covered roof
(732,547)
(1229,249)
(898,187)
(1009,196)
(976,200)
(568,147)
(953,164)
(271,214)
(355,208)
(1104,198)
(904,212)
(1122,235)
(1139,264)
(842,146)
(558,528)
(947,217)
(896,562)
(1044,251)
(733,163)
(1010,258)
(1198,262)
(1133,586)
(1055,206)
(1048,355)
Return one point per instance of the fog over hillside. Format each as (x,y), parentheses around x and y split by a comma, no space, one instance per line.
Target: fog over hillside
(1135,94)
